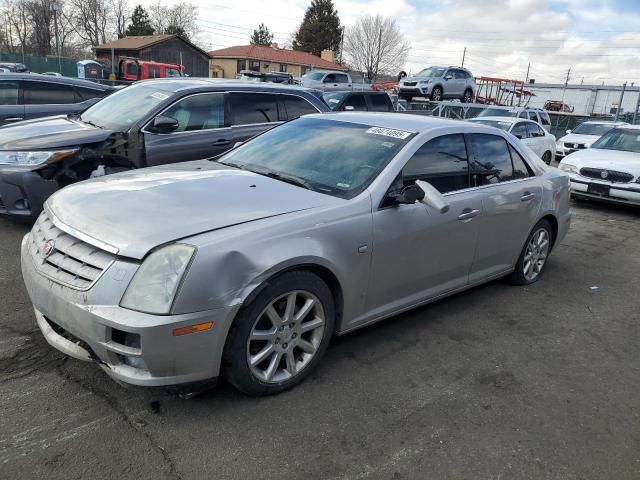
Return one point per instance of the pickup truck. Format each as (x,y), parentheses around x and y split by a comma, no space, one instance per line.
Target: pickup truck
(326,80)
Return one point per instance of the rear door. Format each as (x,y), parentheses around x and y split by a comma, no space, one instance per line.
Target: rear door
(252,113)
(42,99)
(11,107)
(537,141)
(511,198)
(202,131)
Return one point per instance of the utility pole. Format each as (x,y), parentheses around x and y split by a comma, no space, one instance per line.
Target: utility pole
(464,54)
(526,79)
(624,87)
(566,82)
(55,6)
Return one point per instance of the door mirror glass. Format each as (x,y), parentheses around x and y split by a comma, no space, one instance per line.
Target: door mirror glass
(568,132)
(349,107)
(407,195)
(162,124)
(432,198)
(448,77)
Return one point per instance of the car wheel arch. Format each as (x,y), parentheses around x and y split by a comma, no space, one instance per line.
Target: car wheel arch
(326,274)
(553,221)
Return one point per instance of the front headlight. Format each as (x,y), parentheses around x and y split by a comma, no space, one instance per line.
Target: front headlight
(156,282)
(424,82)
(34,158)
(567,167)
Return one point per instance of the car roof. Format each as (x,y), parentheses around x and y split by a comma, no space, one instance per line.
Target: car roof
(77,82)
(606,122)
(501,119)
(396,121)
(176,84)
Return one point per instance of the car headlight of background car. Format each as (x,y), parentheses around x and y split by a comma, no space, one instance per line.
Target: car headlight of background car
(155,284)
(567,167)
(34,158)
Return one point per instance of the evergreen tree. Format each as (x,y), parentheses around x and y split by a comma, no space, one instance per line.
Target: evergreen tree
(176,30)
(140,24)
(262,36)
(320,29)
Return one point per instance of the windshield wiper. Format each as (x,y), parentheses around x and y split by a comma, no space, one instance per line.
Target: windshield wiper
(283,177)
(89,122)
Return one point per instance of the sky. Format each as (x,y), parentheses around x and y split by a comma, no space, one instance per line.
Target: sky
(598,40)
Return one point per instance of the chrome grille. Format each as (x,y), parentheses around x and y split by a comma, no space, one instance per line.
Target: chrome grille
(608,175)
(410,84)
(64,258)
(575,145)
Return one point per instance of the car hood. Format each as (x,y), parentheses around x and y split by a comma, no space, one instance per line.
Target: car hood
(50,132)
(606,159)
(142,209)
(578,138)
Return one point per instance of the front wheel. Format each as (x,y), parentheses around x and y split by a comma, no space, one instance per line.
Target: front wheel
(436,94)
(281,335)
(534,255)
(546,157)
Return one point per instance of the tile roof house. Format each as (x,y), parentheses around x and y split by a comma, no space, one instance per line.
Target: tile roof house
(158,48)
(228,62)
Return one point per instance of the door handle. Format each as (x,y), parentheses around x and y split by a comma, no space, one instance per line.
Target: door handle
(13,119)
(221,143)
(468,214)
(527,196)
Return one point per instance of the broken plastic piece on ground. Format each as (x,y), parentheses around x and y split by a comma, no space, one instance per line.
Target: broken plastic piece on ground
(595,287)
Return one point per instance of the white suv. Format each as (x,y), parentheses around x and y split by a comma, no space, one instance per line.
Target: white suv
(439,83)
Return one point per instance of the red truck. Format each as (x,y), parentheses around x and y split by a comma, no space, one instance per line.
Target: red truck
(132,69)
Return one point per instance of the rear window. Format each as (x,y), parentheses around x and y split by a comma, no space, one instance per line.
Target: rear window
(380,103)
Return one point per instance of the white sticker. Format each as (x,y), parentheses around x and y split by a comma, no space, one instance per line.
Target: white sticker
(389,132)
(160,96)
(388,144)
(343,185)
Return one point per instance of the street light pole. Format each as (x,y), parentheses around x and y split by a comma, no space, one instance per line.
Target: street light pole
(55,6)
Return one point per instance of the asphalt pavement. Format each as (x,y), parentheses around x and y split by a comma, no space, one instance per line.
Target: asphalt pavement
(500,382)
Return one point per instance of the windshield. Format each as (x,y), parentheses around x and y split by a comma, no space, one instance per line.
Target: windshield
(619,139)
(592,128)
(334,99)
(431,72)
(332,157)
(120,110)
(495,123)
(496,112)
(313,75)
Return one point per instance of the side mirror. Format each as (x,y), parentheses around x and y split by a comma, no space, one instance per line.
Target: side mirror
(568,132)
(162,124)
(448,77)
(432,197)
(407,195)
(349,108)
(519,136)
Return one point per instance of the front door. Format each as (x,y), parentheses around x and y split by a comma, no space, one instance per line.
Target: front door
(419,253)
(201,131)
(511,199)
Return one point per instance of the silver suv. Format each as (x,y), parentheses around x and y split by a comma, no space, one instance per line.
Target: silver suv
(439,83)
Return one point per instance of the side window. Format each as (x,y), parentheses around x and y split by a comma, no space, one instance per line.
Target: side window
(331,78)
(89,93)
(460,74)
(154,72)
(491,160)
(533,116)
(198,112)
(546,120)
(356,101)
(520,167)
(341,78)
(44,93)
(241,65)
(172,72)
(248,108)
(8,93)
(523,114)
(132,68)
(519,130)
(297,106)
(442,162)
(380,103)
(535,130)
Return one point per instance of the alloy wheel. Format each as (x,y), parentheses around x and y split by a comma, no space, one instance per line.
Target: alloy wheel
(437,94)
(536,254)
(286,336)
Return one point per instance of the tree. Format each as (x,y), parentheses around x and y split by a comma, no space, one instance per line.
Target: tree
(92,19)
(375,45)
(177,20)
(320,29)
(120,13)
(262,36)
(140,24)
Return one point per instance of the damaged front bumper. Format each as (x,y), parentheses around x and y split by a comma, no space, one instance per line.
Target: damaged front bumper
(133,348)
(23,191)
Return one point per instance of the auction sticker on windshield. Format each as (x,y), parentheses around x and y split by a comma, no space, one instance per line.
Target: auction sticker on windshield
(389,132)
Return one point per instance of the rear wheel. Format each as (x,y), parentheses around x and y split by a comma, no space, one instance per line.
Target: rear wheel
(468,96)
(436,94)
(546,157)
(281,335)
(534,255)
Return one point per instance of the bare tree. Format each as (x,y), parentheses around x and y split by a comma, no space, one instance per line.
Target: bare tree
(40,18)
(120,13)
(158,16)
(179,19)
(376,46)
(91,19)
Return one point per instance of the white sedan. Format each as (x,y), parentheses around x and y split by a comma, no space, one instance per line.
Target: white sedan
(529,132)
(610,169)
(583,136)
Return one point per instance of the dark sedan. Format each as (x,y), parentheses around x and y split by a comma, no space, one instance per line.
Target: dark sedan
(25,96)
(150,123)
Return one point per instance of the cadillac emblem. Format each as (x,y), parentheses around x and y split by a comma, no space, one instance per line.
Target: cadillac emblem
(47,248)
(604,174)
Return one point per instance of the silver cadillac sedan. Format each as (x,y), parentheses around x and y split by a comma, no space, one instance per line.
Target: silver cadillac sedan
(246,265)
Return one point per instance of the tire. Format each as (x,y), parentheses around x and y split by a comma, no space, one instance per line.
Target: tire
(546,157)
(436,94)
(468,96)
(280,358)
(522,275)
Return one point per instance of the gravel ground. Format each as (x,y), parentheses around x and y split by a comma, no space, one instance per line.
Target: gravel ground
(541,382)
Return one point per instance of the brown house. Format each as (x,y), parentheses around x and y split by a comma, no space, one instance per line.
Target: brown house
(158,48)
(228,62)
